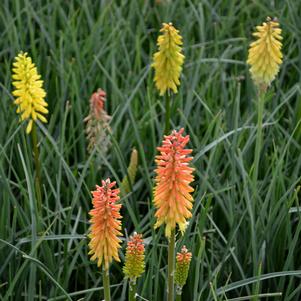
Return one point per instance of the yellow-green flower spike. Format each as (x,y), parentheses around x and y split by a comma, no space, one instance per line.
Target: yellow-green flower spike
(182,268)
(168,61)
(129,179)
(265,55)
(29,92)
(134,258)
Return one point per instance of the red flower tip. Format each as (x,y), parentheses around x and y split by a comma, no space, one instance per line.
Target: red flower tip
(97,101)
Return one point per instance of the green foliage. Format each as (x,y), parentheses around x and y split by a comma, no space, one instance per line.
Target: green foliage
(252,233)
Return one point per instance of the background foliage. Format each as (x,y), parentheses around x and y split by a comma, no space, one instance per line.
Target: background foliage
(245,239)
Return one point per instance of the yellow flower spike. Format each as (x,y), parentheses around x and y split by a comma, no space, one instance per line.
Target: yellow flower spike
(168,61)
(265,55)
(29,92)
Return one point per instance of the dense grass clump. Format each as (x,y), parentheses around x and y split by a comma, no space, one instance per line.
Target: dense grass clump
(244,235)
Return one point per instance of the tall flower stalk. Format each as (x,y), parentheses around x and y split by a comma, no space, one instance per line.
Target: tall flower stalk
(264,58)
(105,229)
(167,63)
(134,263)
(31,105)
(172,193)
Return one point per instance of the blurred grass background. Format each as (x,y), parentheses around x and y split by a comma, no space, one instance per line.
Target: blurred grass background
(245,240)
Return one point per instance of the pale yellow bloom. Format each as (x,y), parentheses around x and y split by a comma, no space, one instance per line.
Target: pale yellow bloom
(28,91)
(265,54)
(168,60)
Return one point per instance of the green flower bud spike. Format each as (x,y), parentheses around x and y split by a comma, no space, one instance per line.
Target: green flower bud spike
(129,179)
(134,263)
(182,268)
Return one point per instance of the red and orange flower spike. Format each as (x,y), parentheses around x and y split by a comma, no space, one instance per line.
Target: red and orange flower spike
(105,224)
(134,257)
(172,193)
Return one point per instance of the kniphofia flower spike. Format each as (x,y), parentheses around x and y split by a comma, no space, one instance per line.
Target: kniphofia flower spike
(172,193)
(129,179)
(182,268)
(168,61)
(265,54)
(97,126)
(105,224)
(29,92)
(134,257)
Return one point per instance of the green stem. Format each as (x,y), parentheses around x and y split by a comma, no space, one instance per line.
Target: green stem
(258,146)
(167,113)
(171,266)
(257,284)
(106,284)
(37,209)
(38,181)
(132,290)
(179,297)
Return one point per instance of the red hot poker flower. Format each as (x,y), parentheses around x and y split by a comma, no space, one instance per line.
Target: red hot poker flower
(134,257)
(97,123)
(97,102)
(182,268)
(172,193)
(105,224)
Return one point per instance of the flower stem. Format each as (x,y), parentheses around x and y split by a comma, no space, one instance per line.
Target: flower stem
(132,290)
(106,284)
(179,297)
(167,113)
(38,181)
(171,266)
(258,146)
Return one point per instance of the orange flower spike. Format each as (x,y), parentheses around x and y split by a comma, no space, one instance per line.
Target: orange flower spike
(105,224)
(172,193)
